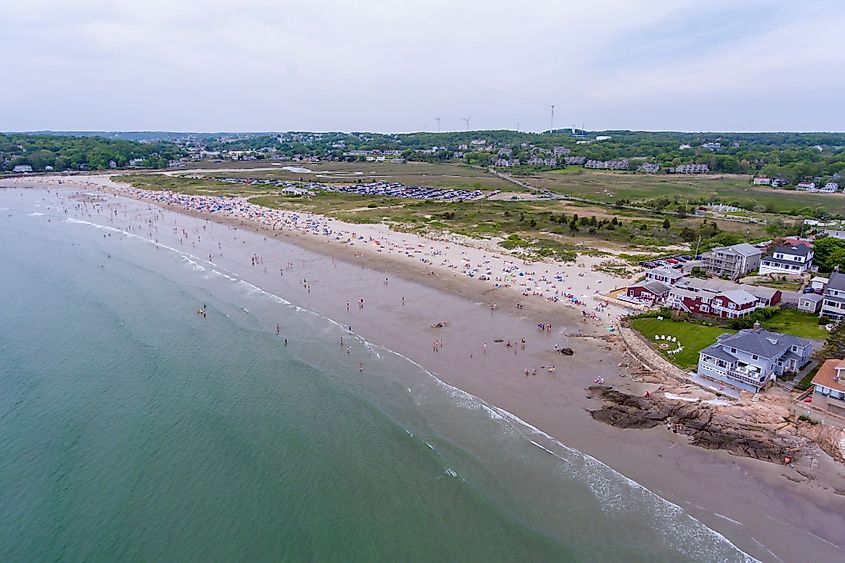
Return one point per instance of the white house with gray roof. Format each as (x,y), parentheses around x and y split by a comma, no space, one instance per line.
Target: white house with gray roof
(752,359)
(795,259)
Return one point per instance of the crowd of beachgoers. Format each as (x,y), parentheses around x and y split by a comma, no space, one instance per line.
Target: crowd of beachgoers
(577,285)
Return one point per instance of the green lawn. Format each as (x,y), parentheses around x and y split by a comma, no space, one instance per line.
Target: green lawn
(796,323)
(805,382)
(693,337)
(613,186)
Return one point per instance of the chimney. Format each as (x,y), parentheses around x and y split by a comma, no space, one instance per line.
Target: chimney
(756,326)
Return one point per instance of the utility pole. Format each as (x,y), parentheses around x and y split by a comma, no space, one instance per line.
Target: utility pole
(437,120)
(552,119)
(466,120)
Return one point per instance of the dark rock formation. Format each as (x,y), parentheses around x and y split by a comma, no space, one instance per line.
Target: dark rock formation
(767,438)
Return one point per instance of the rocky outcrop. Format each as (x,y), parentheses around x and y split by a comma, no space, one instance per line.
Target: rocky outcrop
(764,433)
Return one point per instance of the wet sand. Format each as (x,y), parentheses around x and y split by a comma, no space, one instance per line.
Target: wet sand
(749,502)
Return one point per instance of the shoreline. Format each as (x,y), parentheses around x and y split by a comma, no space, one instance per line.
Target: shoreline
(665,464)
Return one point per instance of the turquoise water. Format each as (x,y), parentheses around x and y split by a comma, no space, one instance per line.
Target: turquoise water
(132,428)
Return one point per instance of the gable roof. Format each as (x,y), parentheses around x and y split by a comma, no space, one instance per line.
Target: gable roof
(739,296)
(745,249)
(721,286)
(794,250)
(656,287)
(827,375)
(836,281)
(761,342)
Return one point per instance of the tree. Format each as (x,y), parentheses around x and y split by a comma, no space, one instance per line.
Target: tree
(834,347)
(830,253)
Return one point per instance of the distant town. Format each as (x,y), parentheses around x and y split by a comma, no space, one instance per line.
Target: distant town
(812,162)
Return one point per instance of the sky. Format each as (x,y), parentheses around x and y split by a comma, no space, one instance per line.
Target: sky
(394,66)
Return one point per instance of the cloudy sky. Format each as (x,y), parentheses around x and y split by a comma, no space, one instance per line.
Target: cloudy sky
(349,65)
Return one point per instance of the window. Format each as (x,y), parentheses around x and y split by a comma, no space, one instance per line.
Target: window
(753,356)
(733,350)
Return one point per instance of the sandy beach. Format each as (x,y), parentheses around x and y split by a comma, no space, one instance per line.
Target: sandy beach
(393,289)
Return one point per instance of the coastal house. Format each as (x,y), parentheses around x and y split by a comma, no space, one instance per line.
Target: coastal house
(22,168)
(806,186)
(829,387)
(810,302)
(720,298)
(731,304)
(833,305)
(574,160)
(561,151)
(665,275)
(795,259)
(732,262)
(830,188)
(752,359)
(761,181)
(779,182)
(648,292)
(650,168)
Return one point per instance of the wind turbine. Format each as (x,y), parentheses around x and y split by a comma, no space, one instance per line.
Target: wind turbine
(552,118)
(437,120)
(466,120)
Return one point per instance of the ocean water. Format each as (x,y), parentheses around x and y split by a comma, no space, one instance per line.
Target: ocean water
(134,428)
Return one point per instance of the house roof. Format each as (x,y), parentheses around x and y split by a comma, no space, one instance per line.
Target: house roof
(656,287)
(761,342)
(837,281)
(739,296)
(814,297)
(819,279)
(745,249)
(716,351)
(667,272)
(719,286)
(794,250)
(827,375)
